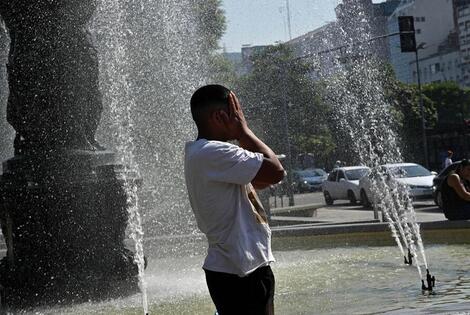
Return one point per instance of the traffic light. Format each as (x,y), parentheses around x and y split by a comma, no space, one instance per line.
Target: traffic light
(406,26)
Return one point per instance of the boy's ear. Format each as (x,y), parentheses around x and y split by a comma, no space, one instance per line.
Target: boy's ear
(224,116)
(216,117)
(220,116)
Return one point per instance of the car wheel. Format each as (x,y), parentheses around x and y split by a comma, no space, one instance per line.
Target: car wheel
(328,200)
(438,200)
(352,197)
(364,200)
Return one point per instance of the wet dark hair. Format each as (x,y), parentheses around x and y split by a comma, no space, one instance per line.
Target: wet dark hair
(206,99)
(464,163)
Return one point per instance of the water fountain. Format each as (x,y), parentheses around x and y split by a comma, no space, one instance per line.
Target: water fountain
(152,56)
(355,83)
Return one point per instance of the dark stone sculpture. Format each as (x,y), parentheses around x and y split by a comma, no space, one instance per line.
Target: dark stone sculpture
(54,97)
(63,209)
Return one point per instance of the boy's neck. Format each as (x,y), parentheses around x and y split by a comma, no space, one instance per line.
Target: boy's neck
(210,137)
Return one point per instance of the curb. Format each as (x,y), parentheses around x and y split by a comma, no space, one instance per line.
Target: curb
(307,210)
(312,230)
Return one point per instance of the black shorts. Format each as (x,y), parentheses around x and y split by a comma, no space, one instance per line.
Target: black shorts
(462,212)
(250,295)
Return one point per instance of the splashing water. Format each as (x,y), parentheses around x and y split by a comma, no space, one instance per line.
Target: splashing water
(355,89)
(152,57)
(121,103)
(166,61)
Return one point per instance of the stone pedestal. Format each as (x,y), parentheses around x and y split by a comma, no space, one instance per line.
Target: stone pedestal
(63,209)
(64,216)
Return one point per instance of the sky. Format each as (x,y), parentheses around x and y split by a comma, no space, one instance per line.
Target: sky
(260,22)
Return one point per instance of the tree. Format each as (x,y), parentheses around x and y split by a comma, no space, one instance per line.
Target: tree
(407,111)
(222,70)
(212,22)
(452,104)
(446,107)
(283,104)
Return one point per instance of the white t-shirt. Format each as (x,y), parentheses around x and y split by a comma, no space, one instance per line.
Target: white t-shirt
(447,162)
(216,177)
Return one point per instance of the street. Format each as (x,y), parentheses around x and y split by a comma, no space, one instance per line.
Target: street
(317,198)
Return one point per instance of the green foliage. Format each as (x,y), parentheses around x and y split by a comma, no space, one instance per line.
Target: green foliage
(279,92)
(446,106)
(222,70)
(452,104)
(212,22)
(321,145)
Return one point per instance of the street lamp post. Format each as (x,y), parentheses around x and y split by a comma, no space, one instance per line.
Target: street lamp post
(288,20)
(290,192)
(421,108)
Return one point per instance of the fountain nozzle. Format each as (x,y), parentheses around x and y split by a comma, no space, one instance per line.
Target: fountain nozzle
(431,280)
(409,261)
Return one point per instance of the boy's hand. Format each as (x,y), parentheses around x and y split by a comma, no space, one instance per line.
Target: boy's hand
(236,121)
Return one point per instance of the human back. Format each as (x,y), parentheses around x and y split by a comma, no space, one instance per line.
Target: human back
(455,196)
(216,177)
(219,175)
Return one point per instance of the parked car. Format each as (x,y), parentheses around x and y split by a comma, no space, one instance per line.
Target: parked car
(418,179)
(308,180)
(439,179)
(343,184)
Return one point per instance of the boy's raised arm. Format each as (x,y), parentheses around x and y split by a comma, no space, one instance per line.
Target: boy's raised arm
(271,171)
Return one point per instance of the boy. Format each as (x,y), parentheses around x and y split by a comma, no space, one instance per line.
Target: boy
(219,176)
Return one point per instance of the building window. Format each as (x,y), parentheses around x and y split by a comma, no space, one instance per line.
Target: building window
(435,68)
(418,31)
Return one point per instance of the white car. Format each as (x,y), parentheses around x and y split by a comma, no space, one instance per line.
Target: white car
(343,184)
(418,179)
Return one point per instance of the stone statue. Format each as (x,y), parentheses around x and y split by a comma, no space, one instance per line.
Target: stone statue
(54,101)
(63,202)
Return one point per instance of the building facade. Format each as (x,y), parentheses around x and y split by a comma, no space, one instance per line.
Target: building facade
(358,21)
(434,23)
(462,16)
(438,68)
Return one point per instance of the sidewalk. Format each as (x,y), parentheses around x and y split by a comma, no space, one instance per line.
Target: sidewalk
(344,218)
(344,213)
